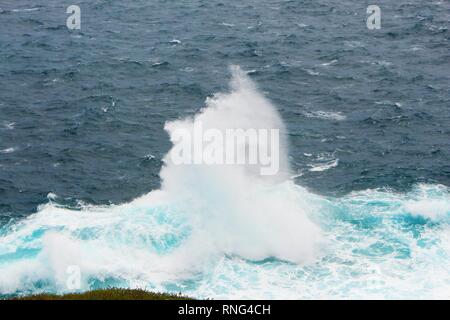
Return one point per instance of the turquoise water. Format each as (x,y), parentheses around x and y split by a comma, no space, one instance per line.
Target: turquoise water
(377,244)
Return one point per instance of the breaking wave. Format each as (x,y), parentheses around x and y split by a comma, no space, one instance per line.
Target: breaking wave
(215,231)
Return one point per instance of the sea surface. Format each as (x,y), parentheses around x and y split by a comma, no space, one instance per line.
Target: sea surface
(84,177)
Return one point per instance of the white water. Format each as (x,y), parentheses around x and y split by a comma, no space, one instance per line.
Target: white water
(237,210)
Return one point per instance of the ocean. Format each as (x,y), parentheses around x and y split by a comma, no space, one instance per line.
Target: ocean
(86,127)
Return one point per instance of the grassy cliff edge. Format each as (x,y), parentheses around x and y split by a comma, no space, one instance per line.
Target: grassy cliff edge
(108,294)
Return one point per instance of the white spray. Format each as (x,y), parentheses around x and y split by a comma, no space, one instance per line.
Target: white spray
(235,208)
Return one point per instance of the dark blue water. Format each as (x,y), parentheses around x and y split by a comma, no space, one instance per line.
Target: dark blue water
(82,111)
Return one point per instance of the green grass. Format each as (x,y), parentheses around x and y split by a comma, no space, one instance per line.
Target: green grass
(108,294)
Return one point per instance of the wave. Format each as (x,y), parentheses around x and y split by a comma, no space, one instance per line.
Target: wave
(9,126)
(226,232)
(8,150)
(25,10)
(325,115)
(324,166)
